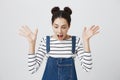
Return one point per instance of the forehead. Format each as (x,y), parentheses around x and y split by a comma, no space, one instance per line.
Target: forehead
(60,21)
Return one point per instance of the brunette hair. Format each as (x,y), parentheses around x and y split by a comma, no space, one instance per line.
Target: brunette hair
(57,13)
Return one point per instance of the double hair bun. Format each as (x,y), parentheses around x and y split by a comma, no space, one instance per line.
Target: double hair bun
(57,9)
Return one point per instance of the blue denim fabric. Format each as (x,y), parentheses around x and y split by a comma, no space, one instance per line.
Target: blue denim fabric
(60,69)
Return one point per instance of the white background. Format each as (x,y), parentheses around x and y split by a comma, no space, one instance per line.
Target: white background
(37,13)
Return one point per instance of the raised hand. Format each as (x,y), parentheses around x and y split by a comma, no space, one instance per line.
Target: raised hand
(88,33)
(28,34)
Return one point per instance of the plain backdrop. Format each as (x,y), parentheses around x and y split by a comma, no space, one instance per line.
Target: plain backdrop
(105,46)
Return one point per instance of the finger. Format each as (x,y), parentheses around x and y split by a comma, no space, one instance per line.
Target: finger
(92,27)
(21,33)
(21,30)
(84,29)
(36,31)
(96,28)
(96,32)
(28,32)
(27,28)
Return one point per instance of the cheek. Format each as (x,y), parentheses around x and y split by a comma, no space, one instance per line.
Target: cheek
(65,31)
(54,30)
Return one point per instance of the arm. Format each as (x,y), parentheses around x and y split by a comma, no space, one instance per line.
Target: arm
(87,34)
(83,48)
(30,36)
(34,60)
(84,57)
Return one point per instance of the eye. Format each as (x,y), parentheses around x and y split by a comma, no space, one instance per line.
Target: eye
(55,26)
(64,27)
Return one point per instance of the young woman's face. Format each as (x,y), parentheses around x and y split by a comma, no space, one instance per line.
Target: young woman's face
(60,28)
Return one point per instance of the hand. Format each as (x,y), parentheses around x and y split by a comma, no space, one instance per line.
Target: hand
(88,33)
(28,34)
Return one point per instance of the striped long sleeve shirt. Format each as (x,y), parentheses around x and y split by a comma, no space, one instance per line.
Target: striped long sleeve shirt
(59,48)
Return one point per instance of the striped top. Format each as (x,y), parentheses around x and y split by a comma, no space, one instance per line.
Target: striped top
(59,49)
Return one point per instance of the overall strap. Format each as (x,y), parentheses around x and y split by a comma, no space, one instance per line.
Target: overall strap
(73,44)
(47,43)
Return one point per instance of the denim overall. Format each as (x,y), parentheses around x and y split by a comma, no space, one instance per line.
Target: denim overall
(60,68)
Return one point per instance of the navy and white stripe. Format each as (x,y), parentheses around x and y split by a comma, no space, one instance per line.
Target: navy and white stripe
(58,48)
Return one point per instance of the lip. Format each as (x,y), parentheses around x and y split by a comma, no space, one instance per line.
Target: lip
(60,36)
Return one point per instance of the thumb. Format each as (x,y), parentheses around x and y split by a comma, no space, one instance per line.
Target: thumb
(84,30)
(36,31)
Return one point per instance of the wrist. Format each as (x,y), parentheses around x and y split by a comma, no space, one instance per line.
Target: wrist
(32,47)
(31,43)
(86,40)
(86,45)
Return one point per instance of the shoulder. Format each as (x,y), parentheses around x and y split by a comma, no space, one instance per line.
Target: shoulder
(43,39)
(78,39)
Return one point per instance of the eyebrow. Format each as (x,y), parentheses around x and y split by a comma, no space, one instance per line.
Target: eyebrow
(56,24)
(62,25)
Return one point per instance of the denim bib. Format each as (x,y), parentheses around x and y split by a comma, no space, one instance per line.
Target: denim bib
(60,68)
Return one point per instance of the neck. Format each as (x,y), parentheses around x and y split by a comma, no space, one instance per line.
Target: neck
(66,37)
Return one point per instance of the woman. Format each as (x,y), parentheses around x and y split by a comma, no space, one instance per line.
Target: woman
(60,48)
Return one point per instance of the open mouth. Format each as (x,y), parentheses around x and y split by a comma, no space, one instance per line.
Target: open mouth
(60,36)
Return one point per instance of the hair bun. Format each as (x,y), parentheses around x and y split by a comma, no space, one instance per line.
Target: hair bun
(68,10)
(55,9)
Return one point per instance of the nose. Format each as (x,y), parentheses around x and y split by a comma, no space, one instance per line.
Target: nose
(60,30)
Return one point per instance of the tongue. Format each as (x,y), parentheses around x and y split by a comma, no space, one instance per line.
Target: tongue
(60,36)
